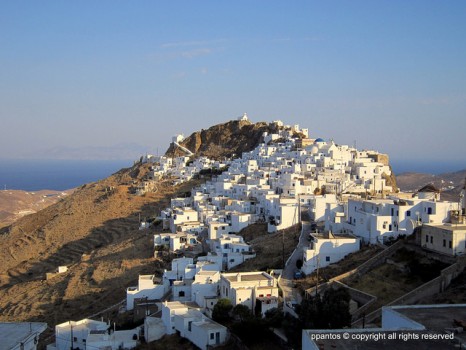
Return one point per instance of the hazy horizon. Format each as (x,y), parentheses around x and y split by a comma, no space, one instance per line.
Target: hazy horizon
(385,75)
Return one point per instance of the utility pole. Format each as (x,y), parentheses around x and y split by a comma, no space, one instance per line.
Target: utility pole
(283,249)
(71,336)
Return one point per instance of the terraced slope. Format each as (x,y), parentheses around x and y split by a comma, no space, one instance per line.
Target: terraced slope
(95,232)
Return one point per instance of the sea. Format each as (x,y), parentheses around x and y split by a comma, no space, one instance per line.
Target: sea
(59,175)
(434,167)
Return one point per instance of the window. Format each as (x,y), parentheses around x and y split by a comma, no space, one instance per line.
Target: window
(427,239)
(449,244)
(432,239)
(327,258)
(444,243)
(389,227)
(189,325)
(181,293)
(408,213)
(212,335)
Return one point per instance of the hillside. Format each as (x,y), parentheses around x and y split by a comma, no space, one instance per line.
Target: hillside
(15,204)
(224,140)
(449,183)
(94,231)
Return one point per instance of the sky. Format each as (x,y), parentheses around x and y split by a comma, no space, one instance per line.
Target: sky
(384,75)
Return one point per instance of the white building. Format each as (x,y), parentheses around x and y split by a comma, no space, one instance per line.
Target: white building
(319,203)
(326,249)
(20,335)
(449,239)
(379,219)
(147,288)
(182,215)
(193,325)
(282,213)
(232,249)
(74,334)
(245,287)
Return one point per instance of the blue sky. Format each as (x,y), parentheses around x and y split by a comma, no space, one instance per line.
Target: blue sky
(388,75)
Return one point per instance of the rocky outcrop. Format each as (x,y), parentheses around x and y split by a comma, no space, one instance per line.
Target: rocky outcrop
(224,140)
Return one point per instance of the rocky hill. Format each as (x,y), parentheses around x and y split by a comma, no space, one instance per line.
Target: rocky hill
(450,184)
(94,231)
(224,140)
(15,204)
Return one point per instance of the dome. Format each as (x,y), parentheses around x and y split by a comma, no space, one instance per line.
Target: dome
(319,140)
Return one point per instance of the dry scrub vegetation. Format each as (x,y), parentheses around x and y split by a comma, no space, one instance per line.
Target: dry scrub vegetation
(95,232)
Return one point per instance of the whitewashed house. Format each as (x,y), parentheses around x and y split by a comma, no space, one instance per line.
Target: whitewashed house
(74,334)
(181,216)
(283,213)
(448,238)
(326,249)
(191,324)
(379,219)
(232,249)
(146,288)
(204,286)
(245,287)
(319,203)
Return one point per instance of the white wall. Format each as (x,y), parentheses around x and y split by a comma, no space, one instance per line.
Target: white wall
(327,251)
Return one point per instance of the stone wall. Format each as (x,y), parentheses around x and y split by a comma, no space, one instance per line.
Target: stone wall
(437,285)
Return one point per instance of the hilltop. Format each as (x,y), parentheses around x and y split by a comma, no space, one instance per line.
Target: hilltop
(224,140)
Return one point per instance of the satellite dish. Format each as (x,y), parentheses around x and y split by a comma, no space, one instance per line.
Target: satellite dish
(410,225)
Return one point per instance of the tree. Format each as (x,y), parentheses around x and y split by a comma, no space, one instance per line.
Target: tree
(221,311)
(329,311)
(274,317)
(242,311)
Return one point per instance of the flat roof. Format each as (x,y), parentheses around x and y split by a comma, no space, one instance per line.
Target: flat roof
(448,227)
(209,324)
(326,235)
(259,276)
(12,333)
(435,317)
